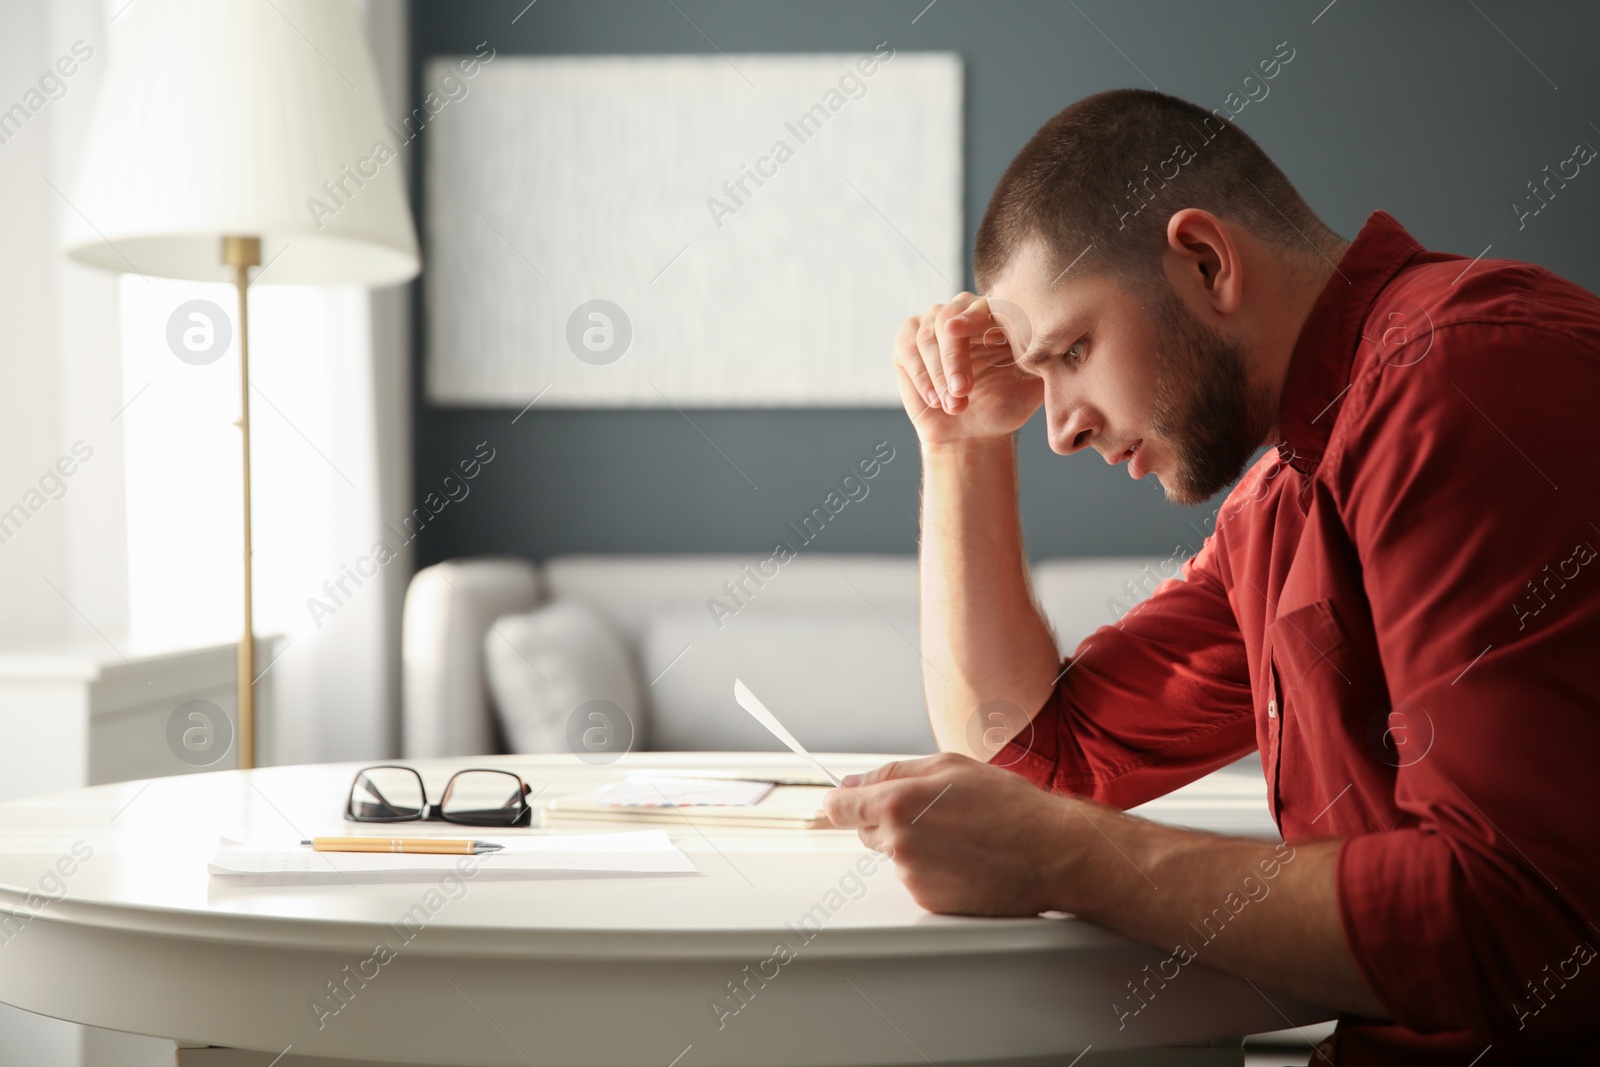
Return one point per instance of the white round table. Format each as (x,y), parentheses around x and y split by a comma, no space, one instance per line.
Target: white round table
(565,970)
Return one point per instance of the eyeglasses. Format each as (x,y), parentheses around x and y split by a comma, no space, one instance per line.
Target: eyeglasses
(476,797)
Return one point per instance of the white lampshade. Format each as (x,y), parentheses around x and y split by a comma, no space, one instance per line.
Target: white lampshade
(227,117)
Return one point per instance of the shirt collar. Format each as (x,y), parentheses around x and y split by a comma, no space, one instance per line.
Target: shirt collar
(1320,366)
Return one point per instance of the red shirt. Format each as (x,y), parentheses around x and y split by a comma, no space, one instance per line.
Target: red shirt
(1400,608)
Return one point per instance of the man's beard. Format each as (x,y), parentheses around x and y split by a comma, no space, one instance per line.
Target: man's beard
(1206,408)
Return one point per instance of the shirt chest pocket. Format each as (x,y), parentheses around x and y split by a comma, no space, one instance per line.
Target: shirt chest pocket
(1320,694)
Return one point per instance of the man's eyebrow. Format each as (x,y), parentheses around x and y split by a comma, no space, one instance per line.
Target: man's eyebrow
(1040,353)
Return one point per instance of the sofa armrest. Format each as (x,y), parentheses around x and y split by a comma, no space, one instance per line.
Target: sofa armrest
(445,708)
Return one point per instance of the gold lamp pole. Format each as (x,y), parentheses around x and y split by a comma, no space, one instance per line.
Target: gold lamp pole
(242,253)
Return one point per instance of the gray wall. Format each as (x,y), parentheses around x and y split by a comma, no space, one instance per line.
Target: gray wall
(1426,110)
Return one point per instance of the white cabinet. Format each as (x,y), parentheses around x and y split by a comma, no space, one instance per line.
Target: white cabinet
(72,717)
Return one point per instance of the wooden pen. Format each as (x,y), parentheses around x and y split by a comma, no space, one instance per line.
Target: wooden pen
(449,846)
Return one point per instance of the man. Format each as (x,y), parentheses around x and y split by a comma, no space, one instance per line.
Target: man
(1397,604)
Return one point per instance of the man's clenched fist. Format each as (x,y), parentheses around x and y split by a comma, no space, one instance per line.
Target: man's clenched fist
(971,839)
(956,363)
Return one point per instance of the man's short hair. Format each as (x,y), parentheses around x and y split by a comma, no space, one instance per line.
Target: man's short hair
(1101,179)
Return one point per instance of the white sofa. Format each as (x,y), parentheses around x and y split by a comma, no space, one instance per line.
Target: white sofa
(828,641)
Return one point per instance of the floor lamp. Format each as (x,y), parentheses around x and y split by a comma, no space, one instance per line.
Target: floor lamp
(233,136)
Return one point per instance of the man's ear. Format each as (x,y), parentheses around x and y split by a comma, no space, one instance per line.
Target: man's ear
(1206,262)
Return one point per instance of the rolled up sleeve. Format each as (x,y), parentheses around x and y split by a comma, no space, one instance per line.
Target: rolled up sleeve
(1148,703)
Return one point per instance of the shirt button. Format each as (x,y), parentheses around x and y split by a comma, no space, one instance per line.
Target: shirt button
(1272,707)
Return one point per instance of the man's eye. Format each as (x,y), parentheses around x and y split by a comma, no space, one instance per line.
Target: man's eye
(1077,353)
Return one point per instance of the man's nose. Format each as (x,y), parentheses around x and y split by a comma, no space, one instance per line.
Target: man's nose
(1071,428)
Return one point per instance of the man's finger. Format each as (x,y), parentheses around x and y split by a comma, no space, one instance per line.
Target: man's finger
(847,808)
(905,768)
(910,391)
(973,319)
(1008,326)
(928,349)
(954,345)
(908,361)
(878,841)
(984,326)
(954,362)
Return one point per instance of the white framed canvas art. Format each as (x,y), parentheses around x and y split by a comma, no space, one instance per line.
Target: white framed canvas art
(707,231)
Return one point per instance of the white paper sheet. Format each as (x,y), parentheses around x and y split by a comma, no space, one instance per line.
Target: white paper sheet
(630,852)
(762,714)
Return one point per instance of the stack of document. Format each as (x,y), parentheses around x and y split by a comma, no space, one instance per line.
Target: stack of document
(664,791)
(679,800)
(719,800)
(545,855)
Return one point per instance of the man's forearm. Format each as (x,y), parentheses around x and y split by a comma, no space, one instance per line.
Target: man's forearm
(983,640)
(1265,912)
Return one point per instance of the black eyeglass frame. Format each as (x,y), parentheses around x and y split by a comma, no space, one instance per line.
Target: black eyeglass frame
(435,812)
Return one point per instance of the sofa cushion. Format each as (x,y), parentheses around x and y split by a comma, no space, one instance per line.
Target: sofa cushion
(545,664)
(842,679)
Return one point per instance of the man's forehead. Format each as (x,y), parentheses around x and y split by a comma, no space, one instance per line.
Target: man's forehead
(1036,301)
